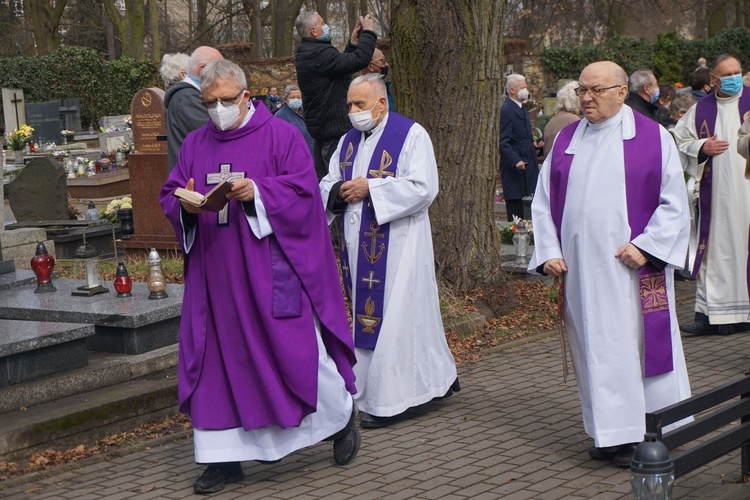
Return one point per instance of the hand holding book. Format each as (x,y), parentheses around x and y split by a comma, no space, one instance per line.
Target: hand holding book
(196,203)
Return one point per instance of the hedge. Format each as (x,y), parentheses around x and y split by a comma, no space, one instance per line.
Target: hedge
(671,57)
(104,87)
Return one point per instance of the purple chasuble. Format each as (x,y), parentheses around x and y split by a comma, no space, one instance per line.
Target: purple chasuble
(643,167)
(705,123)
(248,352)
(372,257)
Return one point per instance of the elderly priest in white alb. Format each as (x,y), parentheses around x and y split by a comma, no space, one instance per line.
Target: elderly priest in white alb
(611,219)
(382,179)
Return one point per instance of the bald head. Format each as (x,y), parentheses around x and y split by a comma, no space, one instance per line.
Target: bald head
(201,57)
(602,88)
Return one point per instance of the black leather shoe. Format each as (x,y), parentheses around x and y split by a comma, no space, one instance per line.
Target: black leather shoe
(603,453)
(372,422)
(346,446)
(216,476)
(455,386)
(737,328)
(700,328)
(624,454)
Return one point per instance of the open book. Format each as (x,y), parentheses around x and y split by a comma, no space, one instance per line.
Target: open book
(214,200)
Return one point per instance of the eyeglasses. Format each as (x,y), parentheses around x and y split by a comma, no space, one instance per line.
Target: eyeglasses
(224,102)
(581,91)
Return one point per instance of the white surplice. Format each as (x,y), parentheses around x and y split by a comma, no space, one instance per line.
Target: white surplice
(602,305)
(411,363)
(721,291)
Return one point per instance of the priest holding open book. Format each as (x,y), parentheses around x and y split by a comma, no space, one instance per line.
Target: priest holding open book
(266,353)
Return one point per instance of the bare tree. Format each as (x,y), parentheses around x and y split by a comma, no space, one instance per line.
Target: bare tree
(45,21)
(450,83)
(283,14)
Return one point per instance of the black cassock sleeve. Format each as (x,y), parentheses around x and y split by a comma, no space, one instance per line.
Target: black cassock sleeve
(335,204)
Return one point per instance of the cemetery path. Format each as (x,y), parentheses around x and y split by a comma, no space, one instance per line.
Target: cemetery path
(514,431)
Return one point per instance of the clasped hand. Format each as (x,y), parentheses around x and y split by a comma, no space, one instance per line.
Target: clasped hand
(354,190)
(631,256)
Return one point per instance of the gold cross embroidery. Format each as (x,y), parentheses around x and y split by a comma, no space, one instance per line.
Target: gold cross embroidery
(385,162)
(349,153)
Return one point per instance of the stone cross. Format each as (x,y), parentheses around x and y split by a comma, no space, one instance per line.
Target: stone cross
(225,174)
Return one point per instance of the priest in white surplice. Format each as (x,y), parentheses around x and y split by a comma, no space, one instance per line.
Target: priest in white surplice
(382,179)
(611,218)
(707,136)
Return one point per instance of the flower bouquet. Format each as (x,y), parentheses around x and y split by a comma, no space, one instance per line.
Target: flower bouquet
(68,134)
(125,148)
(110,212)
(17,139)
(128,121)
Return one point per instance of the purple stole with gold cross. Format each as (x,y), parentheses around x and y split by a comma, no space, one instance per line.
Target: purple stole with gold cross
(372,255)
(643,165)
(705,124)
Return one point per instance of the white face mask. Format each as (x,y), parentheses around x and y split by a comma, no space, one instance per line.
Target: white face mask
(523,94)
(224,117)
(363,120)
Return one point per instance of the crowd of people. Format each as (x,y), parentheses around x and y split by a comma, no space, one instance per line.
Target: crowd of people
(281,345)
(273,357)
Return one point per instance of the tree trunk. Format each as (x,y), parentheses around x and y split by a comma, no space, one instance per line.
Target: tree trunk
(153,10)
(352,16)
(716,16)
(203,28)
(130,28)
(283,14)
(45,22)
(257,50)
(321,7)
(451,85)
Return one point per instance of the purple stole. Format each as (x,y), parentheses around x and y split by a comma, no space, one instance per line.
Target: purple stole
(643,165)
(705,123)
(372,258)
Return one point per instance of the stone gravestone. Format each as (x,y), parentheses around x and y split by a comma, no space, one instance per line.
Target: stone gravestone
(148,171)
(40,192)
(45,118)
(110,141)
(117,122)
(6,266)
(70,112)
(13,109)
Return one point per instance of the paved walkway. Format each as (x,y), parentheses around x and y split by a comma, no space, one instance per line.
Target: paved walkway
(514,432)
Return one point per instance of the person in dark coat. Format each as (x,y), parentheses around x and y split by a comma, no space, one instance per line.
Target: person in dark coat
(518,164)
(643,96)
(273,101)
(292,112)
(185,112)
(324,75)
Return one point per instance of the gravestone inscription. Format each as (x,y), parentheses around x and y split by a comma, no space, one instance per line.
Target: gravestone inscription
(44,117)
(149,121)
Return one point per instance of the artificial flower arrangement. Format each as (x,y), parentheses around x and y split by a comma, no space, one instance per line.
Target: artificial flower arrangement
(17,139)
(110,212)
(508,230)
(125,148)
(128,121)
(68,133)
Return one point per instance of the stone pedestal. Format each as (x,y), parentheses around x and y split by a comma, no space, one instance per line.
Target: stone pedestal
(32,349)
(114,184)
(132,325)
(20,245)
(148,172)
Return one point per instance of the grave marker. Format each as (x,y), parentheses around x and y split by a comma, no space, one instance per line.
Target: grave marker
(44,117)
(13,109)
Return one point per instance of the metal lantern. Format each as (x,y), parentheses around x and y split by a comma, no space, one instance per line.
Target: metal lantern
(651,470)
(157,285)
(86,262)
(42,263)
(123,283)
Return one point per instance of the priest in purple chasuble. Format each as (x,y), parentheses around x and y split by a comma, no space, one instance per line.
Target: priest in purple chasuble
(265,352)
(382,179)
(611,220)
(707,137)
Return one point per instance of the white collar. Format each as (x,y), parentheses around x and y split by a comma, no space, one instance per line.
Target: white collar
(625,116)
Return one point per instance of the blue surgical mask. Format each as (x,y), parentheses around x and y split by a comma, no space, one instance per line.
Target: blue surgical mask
(326,36)
(655,97)
(295,103)
(731,85)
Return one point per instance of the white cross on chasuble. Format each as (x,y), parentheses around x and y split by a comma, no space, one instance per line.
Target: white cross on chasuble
(225,174)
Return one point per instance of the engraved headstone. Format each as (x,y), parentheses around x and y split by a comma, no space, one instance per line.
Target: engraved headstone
(44,117)
(110,141)
(70,111)
(40,192)
(13,109)
(149,121)
(116,122)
